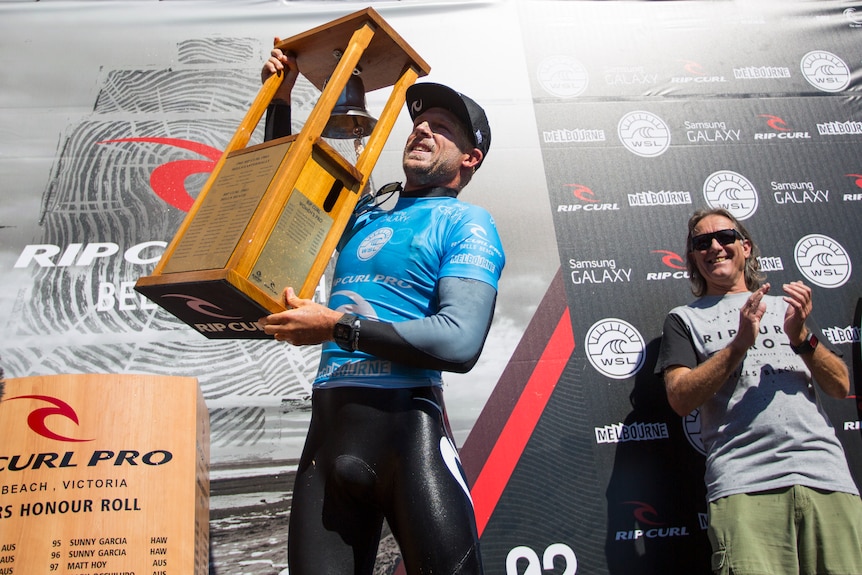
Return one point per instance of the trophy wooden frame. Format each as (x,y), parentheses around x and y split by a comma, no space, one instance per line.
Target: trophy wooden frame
(271,215)
(104,473)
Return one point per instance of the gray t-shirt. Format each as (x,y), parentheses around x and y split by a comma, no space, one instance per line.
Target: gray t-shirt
(764,428)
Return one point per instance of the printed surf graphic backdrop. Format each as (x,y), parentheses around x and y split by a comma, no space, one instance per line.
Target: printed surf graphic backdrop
(108,135)
(612,122)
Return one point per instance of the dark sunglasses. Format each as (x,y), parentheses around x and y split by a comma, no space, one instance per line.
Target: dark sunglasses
(725,237)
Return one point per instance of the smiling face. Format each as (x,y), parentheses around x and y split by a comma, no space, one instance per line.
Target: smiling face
(437,150)
(722,266)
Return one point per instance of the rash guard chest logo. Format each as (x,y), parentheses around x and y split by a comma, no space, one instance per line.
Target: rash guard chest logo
(373,243)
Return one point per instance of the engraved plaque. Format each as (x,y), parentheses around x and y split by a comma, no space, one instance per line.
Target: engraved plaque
(216,229)
(102,475)
(295,243)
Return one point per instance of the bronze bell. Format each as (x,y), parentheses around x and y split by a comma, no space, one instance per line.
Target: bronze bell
(349,118)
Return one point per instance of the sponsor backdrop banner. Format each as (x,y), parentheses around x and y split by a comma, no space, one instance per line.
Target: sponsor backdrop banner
(646,112)
(612,122)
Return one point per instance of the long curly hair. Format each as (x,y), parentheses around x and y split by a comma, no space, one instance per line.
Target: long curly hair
(753,276)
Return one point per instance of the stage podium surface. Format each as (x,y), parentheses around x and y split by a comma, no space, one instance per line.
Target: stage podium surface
(104,474)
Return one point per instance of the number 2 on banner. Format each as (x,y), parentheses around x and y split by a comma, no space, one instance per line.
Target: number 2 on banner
(533,566)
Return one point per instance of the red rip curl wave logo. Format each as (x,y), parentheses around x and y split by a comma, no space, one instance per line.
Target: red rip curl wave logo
(582,192)
(776,123)
(168,180)
(671,259)
(644,513)
(857,179)
(37,418)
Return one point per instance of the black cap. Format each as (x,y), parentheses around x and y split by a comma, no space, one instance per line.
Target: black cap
(424,96)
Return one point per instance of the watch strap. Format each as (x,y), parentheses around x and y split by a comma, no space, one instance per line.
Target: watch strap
(345,333)
(808,345)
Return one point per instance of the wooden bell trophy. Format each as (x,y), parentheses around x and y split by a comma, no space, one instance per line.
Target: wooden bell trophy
(271,215)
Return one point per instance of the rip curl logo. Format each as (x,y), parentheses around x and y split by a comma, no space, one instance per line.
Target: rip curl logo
(615,348)
(582,192)
(36,421)
(644,134)
(692,67)
(355,304)
(373,243)
(453,463)
(416,106)
(822,260)
(825,71)
(200,306)
(857,179)
(168,180)
(644,513)
(731,191)
(479,232)
(671,259)
(853,17)
(774,122)
(562,76)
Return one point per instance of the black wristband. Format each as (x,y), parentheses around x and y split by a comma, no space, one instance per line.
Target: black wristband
(807,346)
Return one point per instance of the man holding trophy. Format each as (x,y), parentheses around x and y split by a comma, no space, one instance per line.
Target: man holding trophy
(413,294)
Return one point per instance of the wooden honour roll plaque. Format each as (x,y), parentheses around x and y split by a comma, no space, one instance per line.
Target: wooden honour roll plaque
(270,215)
(104,474)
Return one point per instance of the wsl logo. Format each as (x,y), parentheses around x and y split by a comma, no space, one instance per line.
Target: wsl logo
(615,348)
(825,71)
(644,134)
(823,261)
(731,191)
(373,243)
(692,428)
(563,77)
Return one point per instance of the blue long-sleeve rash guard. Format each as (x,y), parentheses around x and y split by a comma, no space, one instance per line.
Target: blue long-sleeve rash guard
(440,321)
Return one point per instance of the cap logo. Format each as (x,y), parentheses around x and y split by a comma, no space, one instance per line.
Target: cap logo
(416,106)
(478,136)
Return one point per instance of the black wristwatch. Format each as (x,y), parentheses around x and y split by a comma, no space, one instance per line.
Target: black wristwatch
(346,332)
(807,346)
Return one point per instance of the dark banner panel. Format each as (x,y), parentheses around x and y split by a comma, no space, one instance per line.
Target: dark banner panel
(645,113)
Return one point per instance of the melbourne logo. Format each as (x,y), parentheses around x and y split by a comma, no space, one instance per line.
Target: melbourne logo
(825,71)
(731,191)
(644,134)
(615,348)
(37,418)
(632,431)
(822,260)
(562,76)
(373,243)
